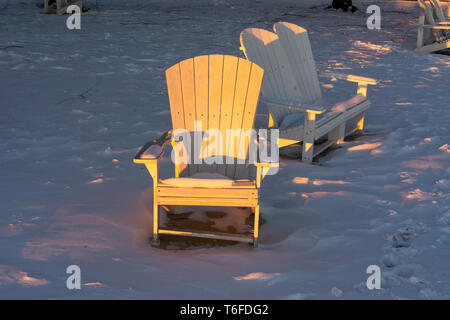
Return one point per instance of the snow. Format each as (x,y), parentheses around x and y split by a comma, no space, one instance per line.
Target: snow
(76,105)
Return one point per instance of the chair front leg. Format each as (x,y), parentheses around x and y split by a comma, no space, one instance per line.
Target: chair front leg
(152,167)
(155,238)
(308,137)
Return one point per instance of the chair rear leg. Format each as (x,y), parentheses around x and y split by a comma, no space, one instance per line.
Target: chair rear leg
(359,121)
(337,135)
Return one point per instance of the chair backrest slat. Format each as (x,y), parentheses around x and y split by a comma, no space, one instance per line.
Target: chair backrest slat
(218,92)
(234,135)
(201,90)
(215,97)
(188,86)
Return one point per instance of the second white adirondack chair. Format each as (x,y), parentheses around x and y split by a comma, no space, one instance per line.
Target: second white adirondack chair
(292,92)
(432,36)
(60,6)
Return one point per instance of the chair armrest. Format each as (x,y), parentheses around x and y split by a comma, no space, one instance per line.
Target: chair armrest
(261,170)
(266,164)
(294,105)
(161,142)
(348,77)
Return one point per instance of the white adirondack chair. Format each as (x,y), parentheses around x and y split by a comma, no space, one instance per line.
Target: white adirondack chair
(438,11)
(60,6)
(215,92)
(432,36)
(292,92)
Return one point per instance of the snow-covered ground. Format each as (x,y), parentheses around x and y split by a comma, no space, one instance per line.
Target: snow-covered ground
(76,105)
